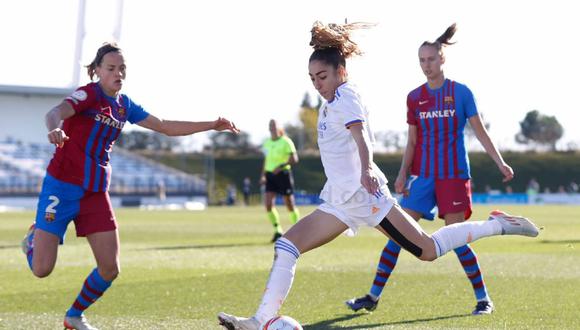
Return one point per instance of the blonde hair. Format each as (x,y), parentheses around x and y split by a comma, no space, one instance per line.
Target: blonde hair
(336,36)
(444,39)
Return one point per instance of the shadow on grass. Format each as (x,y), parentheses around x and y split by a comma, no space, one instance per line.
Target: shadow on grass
(565,241)
(2,247)
(329,324)
(208,246)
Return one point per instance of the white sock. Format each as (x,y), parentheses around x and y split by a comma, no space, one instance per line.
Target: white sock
(280,281)
(453,236)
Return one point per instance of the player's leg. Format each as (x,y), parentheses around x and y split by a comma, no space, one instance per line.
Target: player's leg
(97,222)
(105,246)
(58,203)
(43,257)
(387,262)
(269,201)
(291,205)
(418,201)
(399,226)
(454,202)
(314,230)
(287,190)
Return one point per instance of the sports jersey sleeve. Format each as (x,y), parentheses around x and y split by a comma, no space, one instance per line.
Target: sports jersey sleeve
(82,99)
(411,119)
(136,113)
(290,148)
(350,108)
(469,103)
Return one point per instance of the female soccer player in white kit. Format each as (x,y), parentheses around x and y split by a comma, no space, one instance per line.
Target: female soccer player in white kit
(356,190)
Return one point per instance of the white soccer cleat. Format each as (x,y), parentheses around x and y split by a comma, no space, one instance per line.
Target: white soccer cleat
(514,225)
(77,323)
(232,322)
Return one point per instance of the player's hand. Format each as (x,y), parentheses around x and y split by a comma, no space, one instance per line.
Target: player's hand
(57,137)
(262,180)
(223,124)
(369,181)
(400,183)
(507,171)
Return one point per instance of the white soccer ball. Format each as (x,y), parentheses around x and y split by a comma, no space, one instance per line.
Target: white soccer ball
(281,322)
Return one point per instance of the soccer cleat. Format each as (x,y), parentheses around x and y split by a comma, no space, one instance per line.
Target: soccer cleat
(275,237)
(231,322)
(514,225)
(77,323)
(365,302)
(26,243)
(483,307)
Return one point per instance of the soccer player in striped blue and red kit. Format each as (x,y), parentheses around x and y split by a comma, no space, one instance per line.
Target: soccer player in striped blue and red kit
(437,161)
(84,127)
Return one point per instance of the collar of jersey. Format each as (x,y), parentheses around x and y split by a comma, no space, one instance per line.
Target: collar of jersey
(115,100)
(337,94)
(445,82)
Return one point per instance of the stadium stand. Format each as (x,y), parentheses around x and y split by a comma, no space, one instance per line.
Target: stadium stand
(23,165)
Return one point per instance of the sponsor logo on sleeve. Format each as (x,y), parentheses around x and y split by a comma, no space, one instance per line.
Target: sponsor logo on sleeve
(77,96)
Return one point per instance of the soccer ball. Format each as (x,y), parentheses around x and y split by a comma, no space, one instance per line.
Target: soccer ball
(281,323)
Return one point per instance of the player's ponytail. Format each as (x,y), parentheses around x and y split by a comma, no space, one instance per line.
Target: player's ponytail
(106,48)
(444,39)
(332,43)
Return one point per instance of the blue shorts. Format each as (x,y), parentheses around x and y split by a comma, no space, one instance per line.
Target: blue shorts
(427,195)
(60,203)
(419,196)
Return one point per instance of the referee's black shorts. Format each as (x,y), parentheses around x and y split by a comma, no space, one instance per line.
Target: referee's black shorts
(281,183)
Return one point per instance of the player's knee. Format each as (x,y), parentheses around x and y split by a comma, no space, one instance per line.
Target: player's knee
(110,273)
(428,254)
(41,271)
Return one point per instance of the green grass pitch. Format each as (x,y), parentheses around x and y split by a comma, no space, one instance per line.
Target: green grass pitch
(179,269)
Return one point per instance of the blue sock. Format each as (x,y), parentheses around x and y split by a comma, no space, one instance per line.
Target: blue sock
(470,265)
(92,289)
(387,263)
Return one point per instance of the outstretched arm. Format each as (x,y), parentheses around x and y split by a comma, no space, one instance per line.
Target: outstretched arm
(180,128)
(489,146)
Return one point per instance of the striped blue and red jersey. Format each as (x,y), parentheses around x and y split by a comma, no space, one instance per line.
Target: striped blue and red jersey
(440,116)
(92,131)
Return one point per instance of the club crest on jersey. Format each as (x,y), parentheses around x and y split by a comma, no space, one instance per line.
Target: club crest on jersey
(448,100)
(49,216)
(121,112)
(321,129)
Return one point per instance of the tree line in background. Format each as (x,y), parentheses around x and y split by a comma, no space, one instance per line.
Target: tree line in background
(538,132)
(552,170)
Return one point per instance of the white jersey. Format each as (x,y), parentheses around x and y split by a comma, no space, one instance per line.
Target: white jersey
(338,150)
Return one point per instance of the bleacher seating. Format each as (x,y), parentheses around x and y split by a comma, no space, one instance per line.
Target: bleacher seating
(23,165)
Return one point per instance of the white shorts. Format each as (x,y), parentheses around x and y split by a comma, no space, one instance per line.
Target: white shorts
(362,208)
